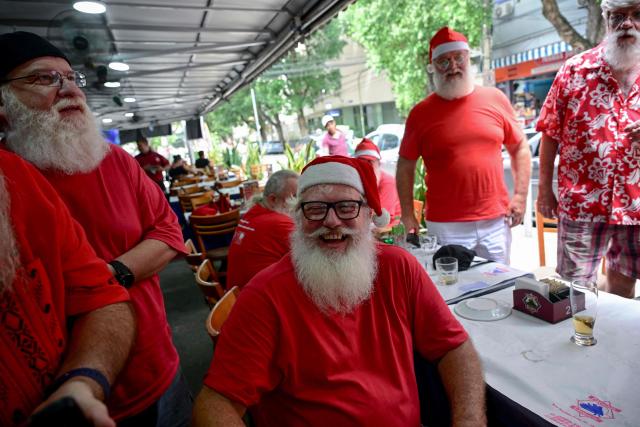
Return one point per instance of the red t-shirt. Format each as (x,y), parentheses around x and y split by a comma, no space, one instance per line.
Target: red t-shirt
(389,195)
(277,350)
(460,142)
(261,238)
(154,159)
(119,207)
(62,278)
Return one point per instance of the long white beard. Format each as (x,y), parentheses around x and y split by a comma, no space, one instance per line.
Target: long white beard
(622,57)
(51,142)
(9,255)
(335,281)
(455,87)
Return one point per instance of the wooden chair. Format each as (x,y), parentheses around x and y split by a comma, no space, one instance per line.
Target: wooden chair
(194,258)
(185,181)
(220,312)
(418,210)
(215,225)
(201,200)
(207,281)
(189,190)
(229,183)
(185,200)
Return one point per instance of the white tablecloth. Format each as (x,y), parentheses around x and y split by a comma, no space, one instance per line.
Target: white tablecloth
(533,363)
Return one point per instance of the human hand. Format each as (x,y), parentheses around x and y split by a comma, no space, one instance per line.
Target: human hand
(81,391)
(410,223)
(515,211)
(547,203)
(633,131)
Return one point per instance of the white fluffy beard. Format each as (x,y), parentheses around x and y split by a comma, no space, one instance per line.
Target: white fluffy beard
(623,57)
(9,255)
(455,86)
(51,142)
(334,280)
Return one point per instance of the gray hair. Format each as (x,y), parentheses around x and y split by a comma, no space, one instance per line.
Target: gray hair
(277,182)
(609,5)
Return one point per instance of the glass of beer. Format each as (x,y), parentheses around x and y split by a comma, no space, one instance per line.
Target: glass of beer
(584,312)
(447,268)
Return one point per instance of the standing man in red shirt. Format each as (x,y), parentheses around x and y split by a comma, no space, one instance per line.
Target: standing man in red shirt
(126,218)
(152,163)
(262,236)
(459,131)
(370,152)
(66,327)
(591,118)
(334,141)
(325,336)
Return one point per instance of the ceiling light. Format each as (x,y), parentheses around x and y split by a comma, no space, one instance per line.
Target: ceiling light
(129,99)
(112,84)
(128,114)
(107,120)
(118,66)
(90,7)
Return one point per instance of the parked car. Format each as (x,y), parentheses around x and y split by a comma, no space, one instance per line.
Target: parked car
(272,147)
(388,138)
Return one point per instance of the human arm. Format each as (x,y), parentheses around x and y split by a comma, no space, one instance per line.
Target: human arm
(520,155)
(211,409)
(547,203)
(461,374)
(405,174)
(146,258)
(100,339)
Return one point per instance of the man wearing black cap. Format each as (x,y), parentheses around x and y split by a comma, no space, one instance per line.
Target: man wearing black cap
(125,216)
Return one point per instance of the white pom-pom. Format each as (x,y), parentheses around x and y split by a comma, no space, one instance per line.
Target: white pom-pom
(382,219)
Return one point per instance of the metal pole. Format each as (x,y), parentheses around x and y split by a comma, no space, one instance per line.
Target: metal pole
(361,107)
(255,115)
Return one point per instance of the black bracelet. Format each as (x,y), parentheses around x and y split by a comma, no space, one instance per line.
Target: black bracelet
(94,374)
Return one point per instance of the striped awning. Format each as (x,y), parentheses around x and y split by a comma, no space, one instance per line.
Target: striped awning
(531,54)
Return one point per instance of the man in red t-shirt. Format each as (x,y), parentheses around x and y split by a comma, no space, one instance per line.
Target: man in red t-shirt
(591,119)
(152,163)
(50,278)
(325,336)
(370,152)
(262,236)
(459,132)
(126,217)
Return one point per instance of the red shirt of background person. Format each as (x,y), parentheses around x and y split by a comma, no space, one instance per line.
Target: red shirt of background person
(326,335)
(125,216)
(389,200)
(50,275)
(262,236)
(151,162)
(334,141)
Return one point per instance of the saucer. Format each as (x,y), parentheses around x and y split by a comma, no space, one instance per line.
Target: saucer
(484,309)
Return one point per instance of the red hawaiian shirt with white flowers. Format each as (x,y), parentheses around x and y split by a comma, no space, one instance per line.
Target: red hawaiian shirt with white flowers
(599,170)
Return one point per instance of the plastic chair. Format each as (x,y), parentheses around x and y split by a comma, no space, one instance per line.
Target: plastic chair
(220,312)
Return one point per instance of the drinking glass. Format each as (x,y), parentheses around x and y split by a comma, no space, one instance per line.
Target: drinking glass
(429,242)
(447,268)
(583,313)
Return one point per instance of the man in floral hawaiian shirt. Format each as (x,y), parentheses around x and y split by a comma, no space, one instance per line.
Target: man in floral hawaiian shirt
(591,117)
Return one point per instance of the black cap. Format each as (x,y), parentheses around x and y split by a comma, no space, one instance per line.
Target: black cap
(20,47)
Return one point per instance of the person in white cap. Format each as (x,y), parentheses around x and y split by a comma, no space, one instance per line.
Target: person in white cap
(591,118)
(459,131)
(369,151)
(326,335)
(334,141)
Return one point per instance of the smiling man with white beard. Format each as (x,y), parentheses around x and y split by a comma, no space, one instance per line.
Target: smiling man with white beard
(591,118)
(124,214)
(325,337)
(459,131)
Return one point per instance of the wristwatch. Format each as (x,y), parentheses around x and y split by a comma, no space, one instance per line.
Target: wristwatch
(123,275)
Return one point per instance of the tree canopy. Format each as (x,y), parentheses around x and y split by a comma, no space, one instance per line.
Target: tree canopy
(396,37)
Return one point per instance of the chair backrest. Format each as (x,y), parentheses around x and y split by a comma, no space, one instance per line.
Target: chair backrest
(185,200)
(418,210)
(544,224)
(214,225)
(185,181)
(220,312)
(207,281)
(194,258)
(230,183)
(190,190)
(201,200)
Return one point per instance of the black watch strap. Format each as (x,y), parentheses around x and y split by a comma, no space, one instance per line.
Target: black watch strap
(94,374)
(123,275)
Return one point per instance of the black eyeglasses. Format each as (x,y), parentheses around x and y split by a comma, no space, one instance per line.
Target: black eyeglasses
(619,18)
(52,78)
(344,209)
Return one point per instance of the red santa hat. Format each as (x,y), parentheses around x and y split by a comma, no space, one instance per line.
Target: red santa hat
(367,150)
(446,40)
(356,173)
